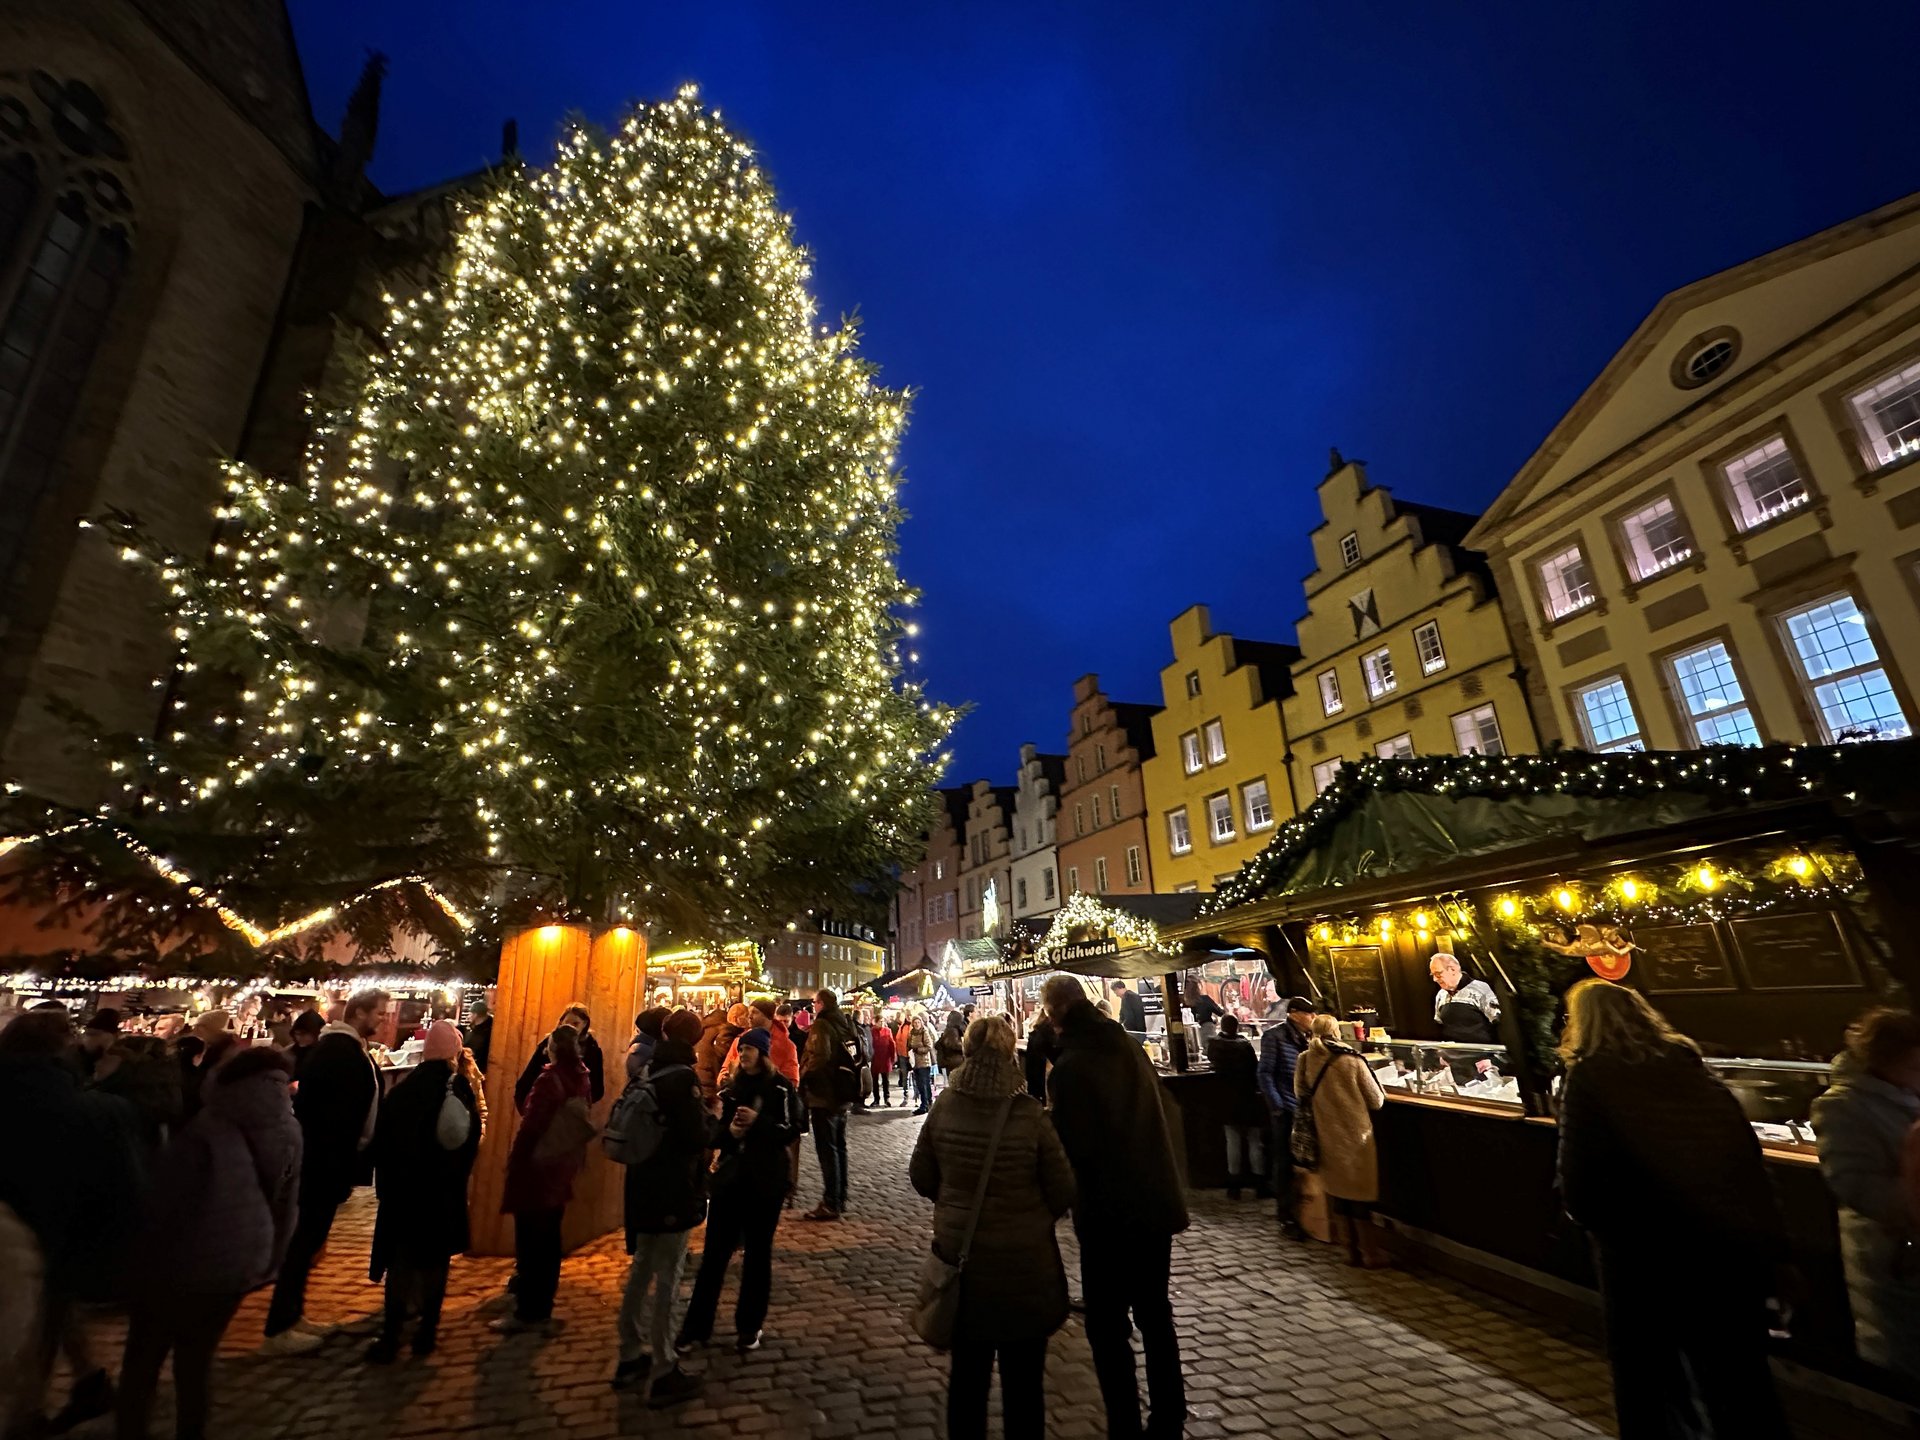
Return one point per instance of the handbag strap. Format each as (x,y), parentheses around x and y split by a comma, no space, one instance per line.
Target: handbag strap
(986,1174)
(1332,1056)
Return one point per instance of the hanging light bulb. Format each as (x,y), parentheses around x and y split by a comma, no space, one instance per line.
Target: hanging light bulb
(1705,878)
(1509,907)
(1630,890)
(1566,899)
(1799,866)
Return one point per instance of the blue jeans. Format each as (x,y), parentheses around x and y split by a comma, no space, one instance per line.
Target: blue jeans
(830,1147)
(923,1085)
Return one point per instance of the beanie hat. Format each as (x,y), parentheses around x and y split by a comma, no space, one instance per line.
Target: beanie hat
(681,1025)
(107,1019)
(761,1040)
(740,1015)
(443,1041)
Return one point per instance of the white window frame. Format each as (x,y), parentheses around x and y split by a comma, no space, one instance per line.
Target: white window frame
(1134,870)
(1395,747)
(1079,818)
(1428,649)
(1193,684)
(1713,716)
(1252,791)
(1020,893)
(1888,446)
(1073,879)
(1560,598)
(1330,701)
(1350,549)
(1376,668)
(1647,557)
(1623,702)
(1864,670)
(1751,511)
(1477,743)
(1216,737)
(1179,832)
(1097,821)
(1046,883)
(1219,808)
(1113,802)
(1191,759)
(1324,773)
(1100,875)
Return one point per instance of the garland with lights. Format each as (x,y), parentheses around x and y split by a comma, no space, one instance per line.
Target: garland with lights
(1085,912)
(586,592)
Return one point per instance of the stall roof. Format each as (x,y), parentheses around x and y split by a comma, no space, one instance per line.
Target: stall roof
(1427,816)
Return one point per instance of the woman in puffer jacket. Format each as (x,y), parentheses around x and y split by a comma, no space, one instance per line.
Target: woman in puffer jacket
(1013,1292)
(222,1210)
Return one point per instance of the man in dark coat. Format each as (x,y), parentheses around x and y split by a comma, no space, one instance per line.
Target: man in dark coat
(337,1104)
(577,1017)
(1130,1009)
(666,1196)
(1132,1202)
(480,1035)
(1281,1046)
(1232,1058)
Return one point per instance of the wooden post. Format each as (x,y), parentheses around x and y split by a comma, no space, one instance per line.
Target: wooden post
(542,971)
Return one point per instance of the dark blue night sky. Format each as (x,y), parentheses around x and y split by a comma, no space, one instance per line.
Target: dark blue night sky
(1145,263)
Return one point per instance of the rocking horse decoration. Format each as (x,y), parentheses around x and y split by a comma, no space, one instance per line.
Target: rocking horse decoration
(1606,948)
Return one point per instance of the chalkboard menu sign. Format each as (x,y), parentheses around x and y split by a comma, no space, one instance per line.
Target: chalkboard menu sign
(1807,951)
(1360,981)
(1681,960)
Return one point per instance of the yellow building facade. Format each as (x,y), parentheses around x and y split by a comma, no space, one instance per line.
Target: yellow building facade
(1720,542)
(1217,783)
(1403,649)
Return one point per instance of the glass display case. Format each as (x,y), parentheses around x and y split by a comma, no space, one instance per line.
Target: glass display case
(1444,1069)
(1777,1096)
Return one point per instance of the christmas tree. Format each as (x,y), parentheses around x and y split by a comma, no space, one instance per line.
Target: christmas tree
(590,584)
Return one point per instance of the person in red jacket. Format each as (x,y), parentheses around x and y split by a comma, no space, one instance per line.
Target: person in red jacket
(540,1179)
(883,1058)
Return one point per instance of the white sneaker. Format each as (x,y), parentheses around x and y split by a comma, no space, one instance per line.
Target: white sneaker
(290,1342)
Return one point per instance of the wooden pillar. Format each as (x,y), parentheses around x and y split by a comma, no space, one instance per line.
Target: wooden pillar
(542,971)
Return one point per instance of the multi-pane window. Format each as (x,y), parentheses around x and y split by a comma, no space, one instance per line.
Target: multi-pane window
(1477,732)
(1840,666)
(1216,742)
(1133,865)
(1350,549)
(1020,892)
(1099,759)
(1080,768)
(1764,482)
(1426,644)
(1073,879)
(1179,833)
(1259,805)
(1099,874)
(1097,820)
(1046,883)
(1656,538)
(1377,668)
(1889,414)
(1606,716)
(1399,747)
(1330,701)
(1324,773)
(1190,752)
(1193,683)
(1567,581)
(1113,797)
(1220,817)
(1079,819)
(1710,693)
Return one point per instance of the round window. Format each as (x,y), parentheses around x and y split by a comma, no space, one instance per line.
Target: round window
(1706,357)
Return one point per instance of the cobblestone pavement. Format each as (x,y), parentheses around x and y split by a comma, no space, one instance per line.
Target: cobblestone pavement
(1278,1338)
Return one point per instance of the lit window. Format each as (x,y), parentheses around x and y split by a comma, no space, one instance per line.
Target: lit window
(1477,732)
(1606,715)
(1841,669)
(1046,883)
(1133,865)
(1220,817)
(1889,414)
(939,869)
(1193,683)
(1763,483)
(1426,643)
(1716,706)
(1097,821)
(1568,582)
(1656,538)
(1330,691)
(1190,752)
(1099,874)
(1216,742)
(1113,795)
(1324,773)
(1179,834)
(1350,549)
(1258,806)
(1377,669)
(1398,748)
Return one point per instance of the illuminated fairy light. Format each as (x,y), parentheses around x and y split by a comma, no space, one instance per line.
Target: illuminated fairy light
(1084,912)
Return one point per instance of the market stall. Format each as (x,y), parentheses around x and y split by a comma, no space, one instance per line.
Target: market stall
(1760,899)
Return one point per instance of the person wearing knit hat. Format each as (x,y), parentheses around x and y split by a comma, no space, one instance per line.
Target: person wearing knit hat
(760,1040)
(421,1183)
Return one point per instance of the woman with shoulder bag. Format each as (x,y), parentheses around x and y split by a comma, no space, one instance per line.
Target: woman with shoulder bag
(989,1160)
(1338,1096)
(423,1149)
(546,1156)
